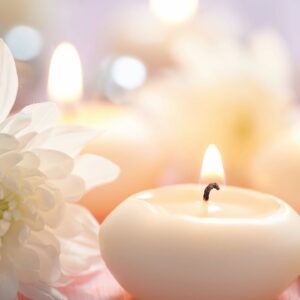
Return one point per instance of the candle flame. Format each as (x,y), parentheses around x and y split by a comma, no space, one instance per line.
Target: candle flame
(212,166)
(174,11)
(65,74)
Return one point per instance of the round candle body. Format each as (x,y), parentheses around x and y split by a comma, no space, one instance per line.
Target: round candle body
(170,244)
(276,168)
(127,138)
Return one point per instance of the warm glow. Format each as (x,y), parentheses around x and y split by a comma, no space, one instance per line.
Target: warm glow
(65,74)
(174,11)
(212,167)
(128,72)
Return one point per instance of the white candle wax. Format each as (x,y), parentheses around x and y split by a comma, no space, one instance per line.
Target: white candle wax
(170,244)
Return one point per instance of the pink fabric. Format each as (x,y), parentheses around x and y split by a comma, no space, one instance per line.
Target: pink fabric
(103,286)
(100,286)
(293,292)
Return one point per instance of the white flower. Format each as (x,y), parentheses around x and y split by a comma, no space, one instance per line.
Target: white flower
(45,239)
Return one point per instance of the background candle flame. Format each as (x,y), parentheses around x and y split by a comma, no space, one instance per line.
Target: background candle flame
(65,74)
(212,169)
(174,11)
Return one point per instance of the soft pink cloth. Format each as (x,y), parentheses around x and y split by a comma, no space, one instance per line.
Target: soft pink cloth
(293,292)
(102,286)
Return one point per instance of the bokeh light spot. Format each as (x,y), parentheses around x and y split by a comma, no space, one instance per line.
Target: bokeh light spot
(24,42)
(128,72)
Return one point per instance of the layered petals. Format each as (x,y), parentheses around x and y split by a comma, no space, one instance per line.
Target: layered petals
(69,139)
(72,187)
(81,239)
(45,240)
(43,116)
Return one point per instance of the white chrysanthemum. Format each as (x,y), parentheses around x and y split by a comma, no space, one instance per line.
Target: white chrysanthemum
(45,239)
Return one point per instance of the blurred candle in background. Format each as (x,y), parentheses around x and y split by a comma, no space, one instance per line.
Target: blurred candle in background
(128,140)
(277,167)
(65,75)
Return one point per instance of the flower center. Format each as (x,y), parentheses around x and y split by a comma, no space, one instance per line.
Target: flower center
(8,209)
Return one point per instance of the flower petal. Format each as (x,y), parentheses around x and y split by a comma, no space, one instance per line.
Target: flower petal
(72,187)
(77,220)
(53,163)
(30,160)
(78,234)
(26,139)
(18,234)
(7,143)
(69,139)
(50,263)
(15,123)
(9,160)
(55,216)
(47,198)
(38,140)
(8,281)
(95,170)
(8,81)
(24,259)
(43,115)
(46,238)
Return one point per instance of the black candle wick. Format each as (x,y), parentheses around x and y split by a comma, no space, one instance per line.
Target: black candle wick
(207,190)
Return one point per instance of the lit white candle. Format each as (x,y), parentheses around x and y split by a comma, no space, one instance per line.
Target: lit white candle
(127,135)
(191,242)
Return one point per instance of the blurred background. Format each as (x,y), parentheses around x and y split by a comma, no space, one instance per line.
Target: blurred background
(162,79)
